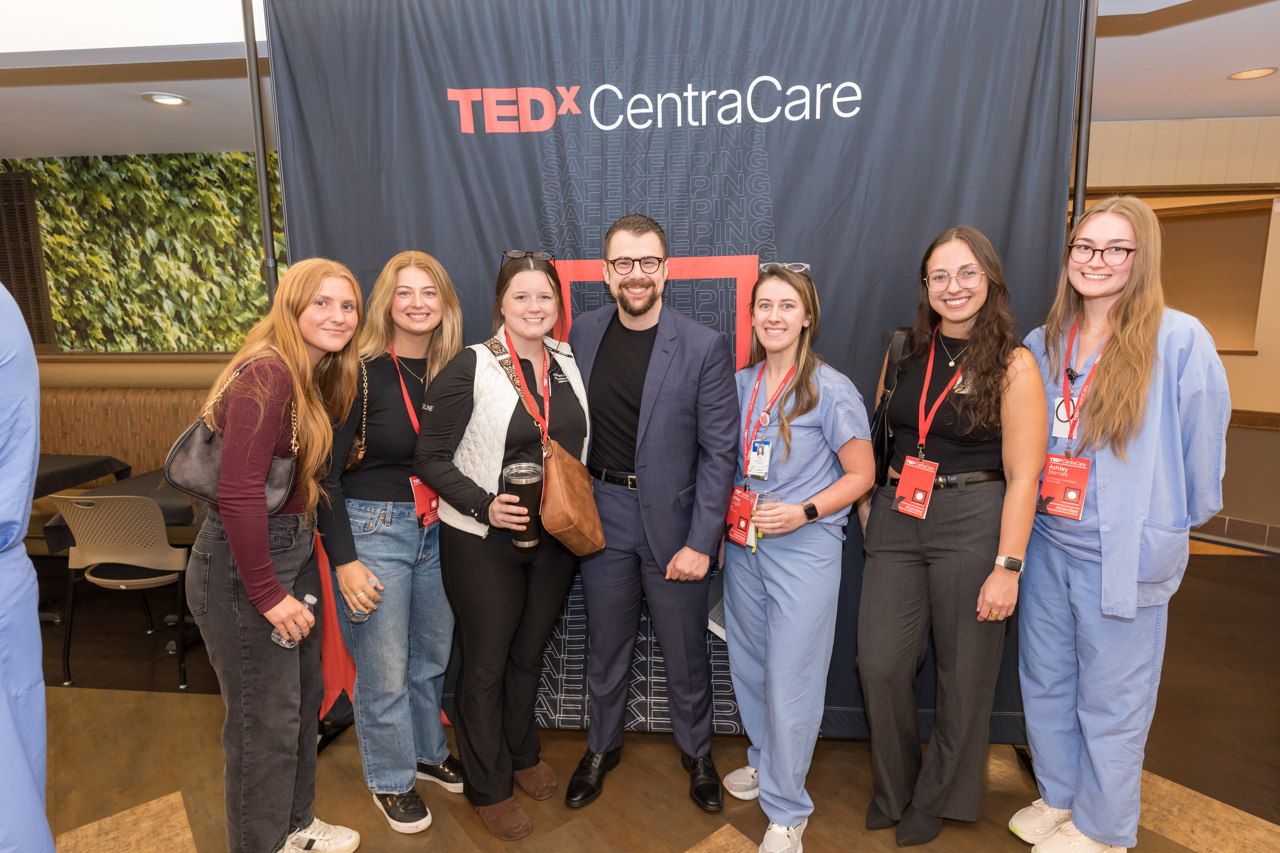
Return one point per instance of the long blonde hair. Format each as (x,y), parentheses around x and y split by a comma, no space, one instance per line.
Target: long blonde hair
(802,392)
(323,393)
(1117,400)
(379,330)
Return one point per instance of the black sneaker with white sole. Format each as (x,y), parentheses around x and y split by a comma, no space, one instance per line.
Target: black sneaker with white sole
(447,774)
(405,812)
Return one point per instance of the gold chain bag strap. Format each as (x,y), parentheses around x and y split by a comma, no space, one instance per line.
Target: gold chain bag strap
(195,460)
(568,501)
(355,456)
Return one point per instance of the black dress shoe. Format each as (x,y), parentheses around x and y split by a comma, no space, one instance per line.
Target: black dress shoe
(877,819)
(704,782)
(917,827)
(588,780)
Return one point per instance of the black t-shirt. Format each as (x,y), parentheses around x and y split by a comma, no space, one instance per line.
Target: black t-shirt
(617,386)
(446,416)
(955,449)
(389,446)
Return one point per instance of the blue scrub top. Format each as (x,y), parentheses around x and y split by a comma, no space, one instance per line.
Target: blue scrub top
(1081,539)
(816,436)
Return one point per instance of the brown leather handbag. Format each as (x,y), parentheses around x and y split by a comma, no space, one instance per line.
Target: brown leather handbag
(568,501)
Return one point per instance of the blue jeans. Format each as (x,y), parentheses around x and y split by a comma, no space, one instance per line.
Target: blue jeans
(402,651)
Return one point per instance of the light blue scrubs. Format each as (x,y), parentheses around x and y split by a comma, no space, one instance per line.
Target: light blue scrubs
(22,726)
(780,602)
(1092,629)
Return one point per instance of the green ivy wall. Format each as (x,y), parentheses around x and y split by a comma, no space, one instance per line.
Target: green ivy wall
(152,253)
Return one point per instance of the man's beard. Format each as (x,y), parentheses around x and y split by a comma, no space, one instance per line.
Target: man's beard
(640,309)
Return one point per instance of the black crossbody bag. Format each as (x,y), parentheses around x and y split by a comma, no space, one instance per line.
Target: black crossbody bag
(881,435)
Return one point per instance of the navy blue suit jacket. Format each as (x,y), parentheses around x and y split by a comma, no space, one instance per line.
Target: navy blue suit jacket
(687,437)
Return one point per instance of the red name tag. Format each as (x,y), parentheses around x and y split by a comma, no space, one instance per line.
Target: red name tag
(426,503)
(915,487)
(1062,487)
(739,518)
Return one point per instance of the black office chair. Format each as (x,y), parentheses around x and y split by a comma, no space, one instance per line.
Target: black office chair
(121,544)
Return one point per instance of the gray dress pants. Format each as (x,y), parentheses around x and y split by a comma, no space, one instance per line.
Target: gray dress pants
(923,576)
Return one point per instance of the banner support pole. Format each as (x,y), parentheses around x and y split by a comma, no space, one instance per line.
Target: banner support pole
(260,150)
(1084,113)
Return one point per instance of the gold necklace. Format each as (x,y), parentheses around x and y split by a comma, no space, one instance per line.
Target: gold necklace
(952,359)
(422,378)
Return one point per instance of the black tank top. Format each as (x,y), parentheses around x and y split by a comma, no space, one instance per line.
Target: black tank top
(956,449)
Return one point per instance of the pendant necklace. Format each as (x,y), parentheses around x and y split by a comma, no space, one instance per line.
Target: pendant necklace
(422,378)
(951,359)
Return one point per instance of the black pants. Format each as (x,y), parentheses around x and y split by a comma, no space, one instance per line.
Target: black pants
(923,576)
(505,602)
(272,694)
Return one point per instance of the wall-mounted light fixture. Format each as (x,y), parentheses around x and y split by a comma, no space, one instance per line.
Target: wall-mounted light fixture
(1252,74)
(165,99)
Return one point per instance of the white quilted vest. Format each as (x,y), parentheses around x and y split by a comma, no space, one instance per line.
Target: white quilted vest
(479,454)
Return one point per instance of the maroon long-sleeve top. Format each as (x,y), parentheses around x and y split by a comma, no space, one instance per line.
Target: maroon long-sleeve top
(252,433)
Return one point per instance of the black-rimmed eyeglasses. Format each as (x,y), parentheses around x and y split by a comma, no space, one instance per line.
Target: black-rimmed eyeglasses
(623,266)
(1112,256)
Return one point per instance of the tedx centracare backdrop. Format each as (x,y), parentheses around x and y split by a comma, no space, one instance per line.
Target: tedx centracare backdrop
(845,135)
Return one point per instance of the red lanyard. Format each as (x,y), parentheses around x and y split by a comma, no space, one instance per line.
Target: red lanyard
(524,387)
(925,422)
(747,441)
(1073,409)
(413,417)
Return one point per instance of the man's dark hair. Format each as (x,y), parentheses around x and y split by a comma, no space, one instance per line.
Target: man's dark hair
(637,224)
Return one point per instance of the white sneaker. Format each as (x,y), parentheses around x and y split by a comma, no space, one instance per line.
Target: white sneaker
(783,839)
(323,838)
(743,783)
(1068,839)
(1038,821)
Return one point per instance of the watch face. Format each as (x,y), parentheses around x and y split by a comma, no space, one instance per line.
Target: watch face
(1013,564)
(811,512)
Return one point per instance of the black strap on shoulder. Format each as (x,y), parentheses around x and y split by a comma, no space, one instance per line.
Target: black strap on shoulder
(897,343)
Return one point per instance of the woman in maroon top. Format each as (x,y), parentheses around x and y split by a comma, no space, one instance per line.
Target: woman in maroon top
(249,571)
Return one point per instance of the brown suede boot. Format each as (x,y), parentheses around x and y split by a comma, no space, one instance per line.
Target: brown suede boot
(505,820)
(538,781)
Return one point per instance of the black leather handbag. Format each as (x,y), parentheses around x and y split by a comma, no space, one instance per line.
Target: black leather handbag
(195,460)
(881,435)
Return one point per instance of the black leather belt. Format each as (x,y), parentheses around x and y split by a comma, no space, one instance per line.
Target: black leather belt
(617,478)
(955,481)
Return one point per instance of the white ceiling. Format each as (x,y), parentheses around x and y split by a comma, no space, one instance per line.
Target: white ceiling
(1171,73)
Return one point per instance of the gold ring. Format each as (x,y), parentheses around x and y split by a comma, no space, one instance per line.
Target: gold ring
(993,615)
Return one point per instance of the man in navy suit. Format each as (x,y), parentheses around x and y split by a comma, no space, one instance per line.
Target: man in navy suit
(664,426)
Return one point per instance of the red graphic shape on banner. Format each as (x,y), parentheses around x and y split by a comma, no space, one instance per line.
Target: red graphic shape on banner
(743,269)
(567,104)
(335,662)
(526,97)
(500,112)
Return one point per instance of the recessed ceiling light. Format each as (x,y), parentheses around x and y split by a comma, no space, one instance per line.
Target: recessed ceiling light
(165,99)
(1252,74)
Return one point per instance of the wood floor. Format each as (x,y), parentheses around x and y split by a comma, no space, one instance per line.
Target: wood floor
(115,750)
(1215,733)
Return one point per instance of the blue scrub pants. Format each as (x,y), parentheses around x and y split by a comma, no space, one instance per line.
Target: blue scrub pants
(1089,691)
(780,620)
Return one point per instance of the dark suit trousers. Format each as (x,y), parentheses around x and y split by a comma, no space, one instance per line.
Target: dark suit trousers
(615,583)
(505,604)
(923,576)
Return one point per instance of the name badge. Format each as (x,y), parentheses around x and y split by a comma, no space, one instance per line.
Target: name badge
(1061,425)
(915,487)
(738,521)
(426,503)
(1062,487)
(758,460)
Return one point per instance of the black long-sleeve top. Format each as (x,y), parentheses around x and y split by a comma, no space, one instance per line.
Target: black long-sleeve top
(446,416)
(389,449)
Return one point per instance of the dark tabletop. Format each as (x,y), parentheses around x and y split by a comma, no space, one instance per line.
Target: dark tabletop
(175,506)
(57,471)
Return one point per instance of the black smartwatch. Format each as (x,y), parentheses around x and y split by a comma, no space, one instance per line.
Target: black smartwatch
(810,512)
(1013,564)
